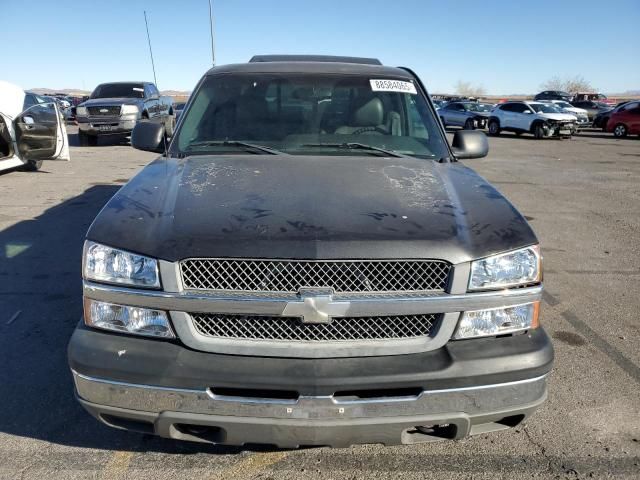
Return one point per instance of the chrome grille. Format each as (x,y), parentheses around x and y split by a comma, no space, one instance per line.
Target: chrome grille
(110,111)
(254,327)
(291,275)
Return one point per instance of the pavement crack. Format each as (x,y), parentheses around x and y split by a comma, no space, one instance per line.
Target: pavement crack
(540,447)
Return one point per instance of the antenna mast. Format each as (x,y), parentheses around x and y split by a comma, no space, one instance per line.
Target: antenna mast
(153,66)
(155,81)
(213,55)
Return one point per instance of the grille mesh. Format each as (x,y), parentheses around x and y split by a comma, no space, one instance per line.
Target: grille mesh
(292,329)
(110,111)
(290,276)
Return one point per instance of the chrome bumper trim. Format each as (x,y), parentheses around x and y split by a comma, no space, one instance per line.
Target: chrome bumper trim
(152,399)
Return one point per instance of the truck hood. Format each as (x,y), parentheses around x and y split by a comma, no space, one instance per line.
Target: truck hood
(310,207)
(105,102)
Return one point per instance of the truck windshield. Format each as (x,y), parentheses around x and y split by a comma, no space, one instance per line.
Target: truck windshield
(119,90)
(310,114)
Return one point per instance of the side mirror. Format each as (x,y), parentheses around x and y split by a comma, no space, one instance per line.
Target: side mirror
(470,144)
(148,136)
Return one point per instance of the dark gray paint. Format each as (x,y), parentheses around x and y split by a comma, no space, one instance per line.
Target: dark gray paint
(463,363)
(310,207)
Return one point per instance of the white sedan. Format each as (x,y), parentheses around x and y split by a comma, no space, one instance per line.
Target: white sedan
(29,136)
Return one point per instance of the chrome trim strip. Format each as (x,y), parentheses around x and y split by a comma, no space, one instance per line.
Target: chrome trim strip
(371,305)
(311,397)
(443,390)
(181,303)
(470,400)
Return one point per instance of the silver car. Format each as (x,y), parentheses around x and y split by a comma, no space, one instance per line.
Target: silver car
(469,115)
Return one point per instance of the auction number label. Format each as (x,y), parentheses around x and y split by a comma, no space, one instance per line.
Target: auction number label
(393,86)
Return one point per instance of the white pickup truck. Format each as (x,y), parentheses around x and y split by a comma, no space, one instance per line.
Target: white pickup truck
(28,136)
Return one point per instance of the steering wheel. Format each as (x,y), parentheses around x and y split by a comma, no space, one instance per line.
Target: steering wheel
(378,130)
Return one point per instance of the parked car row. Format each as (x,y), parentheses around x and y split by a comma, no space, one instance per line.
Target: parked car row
(573,97)
(602,118)
(541,118)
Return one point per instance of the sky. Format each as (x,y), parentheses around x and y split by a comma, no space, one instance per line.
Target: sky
(508,47)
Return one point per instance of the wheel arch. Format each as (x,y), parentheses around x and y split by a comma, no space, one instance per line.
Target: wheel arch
(535,123)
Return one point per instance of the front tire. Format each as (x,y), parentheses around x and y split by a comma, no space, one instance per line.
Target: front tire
(171,127)
(33,165)
(468,125)
(87,140)
(494,128)
(538,131)
(620,131)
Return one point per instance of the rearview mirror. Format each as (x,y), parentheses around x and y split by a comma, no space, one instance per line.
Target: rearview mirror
(148,136)
(470,144)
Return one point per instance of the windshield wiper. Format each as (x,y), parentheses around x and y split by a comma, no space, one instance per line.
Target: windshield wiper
(355,146)
(235,143)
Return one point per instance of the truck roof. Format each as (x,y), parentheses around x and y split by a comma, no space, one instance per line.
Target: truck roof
(317,66)
(314,58)
(131,81)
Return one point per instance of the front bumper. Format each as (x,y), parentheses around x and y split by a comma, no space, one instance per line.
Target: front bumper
(464,388)
(561,129)
(200,415)
(583,123)
(106,125)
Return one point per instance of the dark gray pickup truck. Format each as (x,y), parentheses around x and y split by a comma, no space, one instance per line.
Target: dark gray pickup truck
(115,108)
(309,264)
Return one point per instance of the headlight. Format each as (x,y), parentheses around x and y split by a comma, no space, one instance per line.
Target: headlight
(519,267)
(498,321)
(82,111)
(125,319)
(129,110)
(106,264)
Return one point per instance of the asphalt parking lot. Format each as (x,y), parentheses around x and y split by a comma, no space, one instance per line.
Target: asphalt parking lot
(582,196)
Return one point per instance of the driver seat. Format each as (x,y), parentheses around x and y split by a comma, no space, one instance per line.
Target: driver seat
(367,118)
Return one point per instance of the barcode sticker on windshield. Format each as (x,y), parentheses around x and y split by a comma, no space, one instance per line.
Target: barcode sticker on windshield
(393,86)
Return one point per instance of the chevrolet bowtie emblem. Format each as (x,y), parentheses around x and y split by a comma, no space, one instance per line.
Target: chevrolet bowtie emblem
(316,308)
